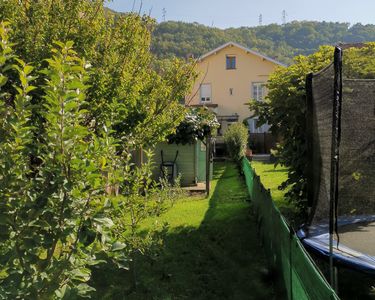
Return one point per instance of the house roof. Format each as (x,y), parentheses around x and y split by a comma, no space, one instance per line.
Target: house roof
(247,50)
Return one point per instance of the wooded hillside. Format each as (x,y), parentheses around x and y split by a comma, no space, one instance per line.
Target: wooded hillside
(281,42)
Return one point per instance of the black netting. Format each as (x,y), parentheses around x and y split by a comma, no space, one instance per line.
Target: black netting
(321,140)
(355,145)
(357,149)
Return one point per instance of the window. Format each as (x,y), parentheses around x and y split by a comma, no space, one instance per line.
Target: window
(253,126)
(205,92)
(231,62)
(258,91)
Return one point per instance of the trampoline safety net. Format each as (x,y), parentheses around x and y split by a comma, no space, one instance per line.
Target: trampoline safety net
(341,150)
(320,115)
(357,148)
(355,144)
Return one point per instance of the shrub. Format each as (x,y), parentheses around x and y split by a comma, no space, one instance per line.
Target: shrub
(59,215)
(45,207)
(235,139)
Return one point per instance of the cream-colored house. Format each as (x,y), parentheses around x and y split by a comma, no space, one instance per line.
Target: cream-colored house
(229,76)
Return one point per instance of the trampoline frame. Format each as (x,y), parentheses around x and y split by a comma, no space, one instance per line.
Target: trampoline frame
(316,239)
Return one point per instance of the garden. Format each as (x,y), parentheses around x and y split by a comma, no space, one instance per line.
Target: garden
(211,250)
(80,95)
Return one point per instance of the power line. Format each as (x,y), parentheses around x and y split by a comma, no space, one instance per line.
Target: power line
(260,20)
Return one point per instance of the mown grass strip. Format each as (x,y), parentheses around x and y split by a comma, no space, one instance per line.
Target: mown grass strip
(211,249)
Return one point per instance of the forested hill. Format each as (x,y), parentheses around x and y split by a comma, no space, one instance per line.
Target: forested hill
(281,42)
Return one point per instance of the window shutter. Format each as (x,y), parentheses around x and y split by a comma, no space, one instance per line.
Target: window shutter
(206,92)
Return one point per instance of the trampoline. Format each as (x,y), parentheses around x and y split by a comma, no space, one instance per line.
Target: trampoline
(356,246)
(341,170)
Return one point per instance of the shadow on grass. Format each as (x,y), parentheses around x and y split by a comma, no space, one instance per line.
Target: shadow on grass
(222,259)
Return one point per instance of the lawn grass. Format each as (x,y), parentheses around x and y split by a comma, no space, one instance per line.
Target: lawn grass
(211,249)
(271,177)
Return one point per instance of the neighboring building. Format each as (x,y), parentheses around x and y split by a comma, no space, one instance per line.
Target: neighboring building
(229,76)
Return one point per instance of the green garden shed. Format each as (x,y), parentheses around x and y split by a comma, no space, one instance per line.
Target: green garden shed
(190,161)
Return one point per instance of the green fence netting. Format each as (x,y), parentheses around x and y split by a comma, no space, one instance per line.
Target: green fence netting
(286,254)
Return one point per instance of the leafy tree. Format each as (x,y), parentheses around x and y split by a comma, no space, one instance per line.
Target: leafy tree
(59,216)
(138,198)
(58,206)
(285,108)
(37,24)
(15,140)
(44,208)
(360,62)
(282,42)
(125,87)
(197,125)
(69,179)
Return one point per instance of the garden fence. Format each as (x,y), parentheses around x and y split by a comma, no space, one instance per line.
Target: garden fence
(285,253)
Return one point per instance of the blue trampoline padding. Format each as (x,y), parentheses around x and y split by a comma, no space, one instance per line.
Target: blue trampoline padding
(317,239)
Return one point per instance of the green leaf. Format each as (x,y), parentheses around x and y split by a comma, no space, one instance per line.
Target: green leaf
(28,69)
(76,84)
(71,106)
(81,274)
(104,221)
(117,246)
(30,88)
(3,80)
(60,293)
(69,44)
(84,290)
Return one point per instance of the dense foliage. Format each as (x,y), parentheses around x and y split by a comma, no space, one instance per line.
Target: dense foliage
(235,139)
(71,196)
(197,125)
(44,207)
(285,108)
(282,42)
(125,88)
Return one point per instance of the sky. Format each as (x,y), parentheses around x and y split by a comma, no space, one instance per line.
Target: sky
(237,13)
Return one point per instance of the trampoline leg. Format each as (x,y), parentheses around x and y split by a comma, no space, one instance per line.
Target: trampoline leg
(332,267)
(331,275)
(336,279)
